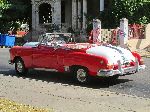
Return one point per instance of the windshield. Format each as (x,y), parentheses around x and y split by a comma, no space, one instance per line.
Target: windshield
(58,38)
(63,40)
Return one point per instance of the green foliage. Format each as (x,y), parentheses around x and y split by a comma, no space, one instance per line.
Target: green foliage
(137,11)
(3,6)
(14,12)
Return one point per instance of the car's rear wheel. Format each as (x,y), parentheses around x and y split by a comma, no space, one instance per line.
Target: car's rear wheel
(81,75)
(20,67)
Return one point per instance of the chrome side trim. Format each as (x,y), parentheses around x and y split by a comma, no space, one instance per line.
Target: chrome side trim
(46,69)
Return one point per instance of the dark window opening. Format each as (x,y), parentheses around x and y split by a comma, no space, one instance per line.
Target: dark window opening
(106,4)
(63,11)
(45,13)
(93,7)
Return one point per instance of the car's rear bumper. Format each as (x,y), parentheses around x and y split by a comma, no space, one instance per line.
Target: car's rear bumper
(121,72)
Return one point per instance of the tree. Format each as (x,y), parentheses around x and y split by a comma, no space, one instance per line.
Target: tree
(137,11)
(3,6)
(13,13)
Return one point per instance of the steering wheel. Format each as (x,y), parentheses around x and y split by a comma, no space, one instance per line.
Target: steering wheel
(71,40)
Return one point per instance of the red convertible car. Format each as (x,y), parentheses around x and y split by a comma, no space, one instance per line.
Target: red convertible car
(58,52)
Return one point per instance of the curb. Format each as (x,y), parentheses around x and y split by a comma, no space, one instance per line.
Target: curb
(5,46)
(146,56)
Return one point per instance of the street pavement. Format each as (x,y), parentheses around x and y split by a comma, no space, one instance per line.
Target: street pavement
(137,84)
(58,92)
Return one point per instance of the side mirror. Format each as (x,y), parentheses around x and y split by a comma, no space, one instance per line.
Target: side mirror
(39,46)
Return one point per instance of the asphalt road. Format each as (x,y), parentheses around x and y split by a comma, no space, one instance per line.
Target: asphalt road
(136,84)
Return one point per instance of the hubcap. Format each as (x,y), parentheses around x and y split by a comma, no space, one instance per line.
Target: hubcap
(81,75)
(19,66)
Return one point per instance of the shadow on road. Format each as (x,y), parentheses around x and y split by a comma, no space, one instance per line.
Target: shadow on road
(65,79)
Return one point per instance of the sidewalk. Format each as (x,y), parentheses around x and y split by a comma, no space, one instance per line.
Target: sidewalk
(68,98)
(143,53)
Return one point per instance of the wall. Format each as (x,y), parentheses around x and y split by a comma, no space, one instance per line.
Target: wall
(68,11)
(135,44)
(106,35)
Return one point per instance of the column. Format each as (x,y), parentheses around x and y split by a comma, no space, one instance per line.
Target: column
(101,5)
(96,30)
(84,12)
(74,14)
(79,14)
(33,15)
(57,13)
(123,34)
(36,17)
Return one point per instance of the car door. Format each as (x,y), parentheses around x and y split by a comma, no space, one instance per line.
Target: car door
(44,57)
(61,54)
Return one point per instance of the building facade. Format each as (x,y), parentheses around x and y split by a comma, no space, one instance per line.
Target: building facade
(64,13)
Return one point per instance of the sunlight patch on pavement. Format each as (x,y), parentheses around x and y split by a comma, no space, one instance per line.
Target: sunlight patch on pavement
(11,106)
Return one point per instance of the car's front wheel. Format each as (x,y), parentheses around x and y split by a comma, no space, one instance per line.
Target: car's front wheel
(20,67)
(81,75)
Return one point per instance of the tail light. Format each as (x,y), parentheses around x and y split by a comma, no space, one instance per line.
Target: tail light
(132,63)
(115,67)
(110,66)
(141,62)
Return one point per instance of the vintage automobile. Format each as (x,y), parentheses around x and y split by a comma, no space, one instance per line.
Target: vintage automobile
(58,52)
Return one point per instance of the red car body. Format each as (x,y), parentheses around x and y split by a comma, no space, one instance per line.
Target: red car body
(51,58)
(68,57)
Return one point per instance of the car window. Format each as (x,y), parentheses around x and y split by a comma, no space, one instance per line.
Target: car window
(31,44)
(54,38)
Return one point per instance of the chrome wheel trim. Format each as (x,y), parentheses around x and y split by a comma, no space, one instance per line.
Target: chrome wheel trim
(19,66)
(81,75)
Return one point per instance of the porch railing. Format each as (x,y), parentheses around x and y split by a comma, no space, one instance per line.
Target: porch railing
(136,31)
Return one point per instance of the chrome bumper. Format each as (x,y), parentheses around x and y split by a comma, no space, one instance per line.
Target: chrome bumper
(121,71)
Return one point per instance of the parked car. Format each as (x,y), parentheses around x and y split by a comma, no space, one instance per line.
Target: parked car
(60,53)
